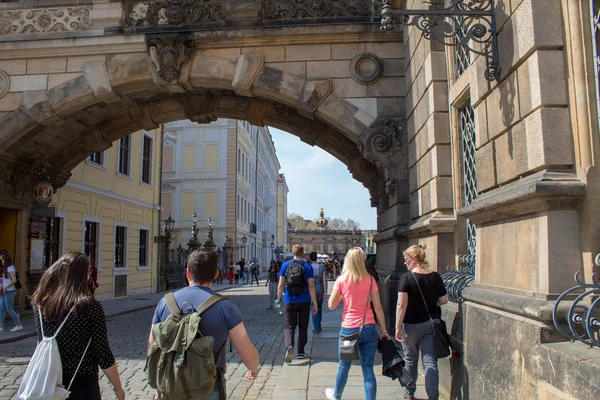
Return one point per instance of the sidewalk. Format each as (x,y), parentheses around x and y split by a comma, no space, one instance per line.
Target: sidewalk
(112,308)
(295,381)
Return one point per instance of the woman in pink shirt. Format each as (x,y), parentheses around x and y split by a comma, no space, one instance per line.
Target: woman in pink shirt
(356,287)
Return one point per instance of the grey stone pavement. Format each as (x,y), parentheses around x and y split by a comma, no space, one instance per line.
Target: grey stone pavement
(129,325)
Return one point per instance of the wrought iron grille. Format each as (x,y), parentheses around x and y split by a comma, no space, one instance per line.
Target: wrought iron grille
(462,57)
(595,13)
(467,134)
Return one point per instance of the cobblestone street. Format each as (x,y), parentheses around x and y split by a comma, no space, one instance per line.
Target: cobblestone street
(128,335)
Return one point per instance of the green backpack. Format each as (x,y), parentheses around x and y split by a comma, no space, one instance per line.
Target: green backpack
(180,363)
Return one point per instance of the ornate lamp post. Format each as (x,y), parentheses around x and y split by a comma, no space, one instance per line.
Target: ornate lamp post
(164,240)
(272,250)
(209,244)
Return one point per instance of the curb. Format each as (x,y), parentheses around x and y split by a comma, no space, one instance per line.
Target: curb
(108,317)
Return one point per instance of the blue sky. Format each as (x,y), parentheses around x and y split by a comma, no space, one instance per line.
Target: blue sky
(321,181)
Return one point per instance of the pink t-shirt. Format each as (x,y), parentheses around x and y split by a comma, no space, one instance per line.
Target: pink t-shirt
(355,301)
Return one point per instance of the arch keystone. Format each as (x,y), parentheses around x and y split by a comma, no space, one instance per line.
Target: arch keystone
(98,80)
(246,71)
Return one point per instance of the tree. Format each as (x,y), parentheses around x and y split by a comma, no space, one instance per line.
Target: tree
(351,224)
(296,221)
(337,224)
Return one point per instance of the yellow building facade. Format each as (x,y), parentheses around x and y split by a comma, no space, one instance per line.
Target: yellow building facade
(109,209)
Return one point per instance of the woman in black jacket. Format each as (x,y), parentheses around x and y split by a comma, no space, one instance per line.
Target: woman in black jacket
(63,295)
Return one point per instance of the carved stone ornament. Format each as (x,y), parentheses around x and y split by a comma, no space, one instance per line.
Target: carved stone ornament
(366,68)
(294,9)
(4,83)
(175,13)
(168,56)
(68,19)
(384,140)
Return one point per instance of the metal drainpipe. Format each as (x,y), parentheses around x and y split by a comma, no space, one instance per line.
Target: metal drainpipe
(162,144)
(256,193)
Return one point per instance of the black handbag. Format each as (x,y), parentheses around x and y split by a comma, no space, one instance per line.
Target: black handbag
(441,340)
(349,343)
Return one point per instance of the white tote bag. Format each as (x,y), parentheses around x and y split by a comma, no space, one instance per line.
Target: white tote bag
(43,377)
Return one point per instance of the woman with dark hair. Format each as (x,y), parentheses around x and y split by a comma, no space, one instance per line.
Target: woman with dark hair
(63,298)
(8,278)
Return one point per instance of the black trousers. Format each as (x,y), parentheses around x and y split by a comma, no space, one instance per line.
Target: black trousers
(254,276)
(296,315)
(84,388)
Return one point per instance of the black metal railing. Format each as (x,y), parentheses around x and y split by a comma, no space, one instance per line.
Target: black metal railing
(458,278)
(176,264)
(581,322)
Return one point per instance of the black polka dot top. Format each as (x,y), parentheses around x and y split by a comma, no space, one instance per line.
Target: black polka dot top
(74,337)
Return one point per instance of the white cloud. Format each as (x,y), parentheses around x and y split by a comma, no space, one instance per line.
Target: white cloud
(317,179)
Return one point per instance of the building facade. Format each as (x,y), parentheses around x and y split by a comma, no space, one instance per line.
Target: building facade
(109,210)
(282,226)
(326,240)
(226,172)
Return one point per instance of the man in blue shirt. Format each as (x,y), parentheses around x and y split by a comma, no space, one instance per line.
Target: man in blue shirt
(220,321)
(296,301)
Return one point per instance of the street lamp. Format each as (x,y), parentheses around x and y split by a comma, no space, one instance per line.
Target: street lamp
(272,249)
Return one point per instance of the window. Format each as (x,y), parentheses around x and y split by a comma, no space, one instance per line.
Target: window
(469,175)
(462,56)
(90,240)
(143,248)
(239,207)
(124,148)
(97,158)
(52,244)
(120,246)
(147,159)
(239,161)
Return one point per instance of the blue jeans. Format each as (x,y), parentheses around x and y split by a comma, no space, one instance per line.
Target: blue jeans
(420,337)
(319,315)
(7,301)
(367,348)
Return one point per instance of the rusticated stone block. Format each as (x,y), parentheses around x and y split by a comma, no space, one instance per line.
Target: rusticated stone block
(313,94)
(246,71)
(14,67)
(25,83)
(503,106)
(542,81)
(511,153)
(270,53)
(327,69)
(485,164)
(549,138)
(46,65)
(308,52)
(347,51)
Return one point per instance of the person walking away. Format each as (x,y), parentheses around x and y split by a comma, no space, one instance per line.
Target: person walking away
(231,272)
(63,306)
(357,288)
(221,321)
(93,278)
(272,281)
(221,270)
(238,270)
(8,273)
(321,289)
(254,272)
(413,327)
(297,288)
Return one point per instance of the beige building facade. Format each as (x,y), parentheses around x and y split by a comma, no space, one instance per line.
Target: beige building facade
(225,173)
(282,226)
(499,173)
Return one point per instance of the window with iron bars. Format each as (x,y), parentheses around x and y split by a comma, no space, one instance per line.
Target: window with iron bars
(469,175)
(462,57)
(595,14)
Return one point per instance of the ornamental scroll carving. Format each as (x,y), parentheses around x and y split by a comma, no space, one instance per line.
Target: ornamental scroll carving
(174,12)
(297,9)
(68,19)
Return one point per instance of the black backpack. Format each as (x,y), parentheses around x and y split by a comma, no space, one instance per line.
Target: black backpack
(294,279)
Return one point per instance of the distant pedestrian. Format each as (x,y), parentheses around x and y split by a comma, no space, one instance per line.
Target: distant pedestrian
(63,306)
(8,275)
(321,290)
(254,272)
(413,327)
(238,271)
(357,288)
(231,272)
(272,281)
(297,288)
(221,269)
(221,321)
(93,278)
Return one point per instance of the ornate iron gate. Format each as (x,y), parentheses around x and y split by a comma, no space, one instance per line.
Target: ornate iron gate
(176,267)
(467,134)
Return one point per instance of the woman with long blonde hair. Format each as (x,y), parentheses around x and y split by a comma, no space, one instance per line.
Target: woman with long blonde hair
(413,326)
(358,289)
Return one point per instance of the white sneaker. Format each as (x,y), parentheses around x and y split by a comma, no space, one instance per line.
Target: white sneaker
(329,392)
(1,329)
(17,328)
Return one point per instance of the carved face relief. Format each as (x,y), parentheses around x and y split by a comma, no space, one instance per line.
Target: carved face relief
(139,13)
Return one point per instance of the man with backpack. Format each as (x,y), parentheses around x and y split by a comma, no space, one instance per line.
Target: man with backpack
(254,272)
(321,288)
(187,324)
(297,288)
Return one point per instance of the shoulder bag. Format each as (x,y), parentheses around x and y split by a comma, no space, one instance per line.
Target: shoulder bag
(441,339)
(349,343)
